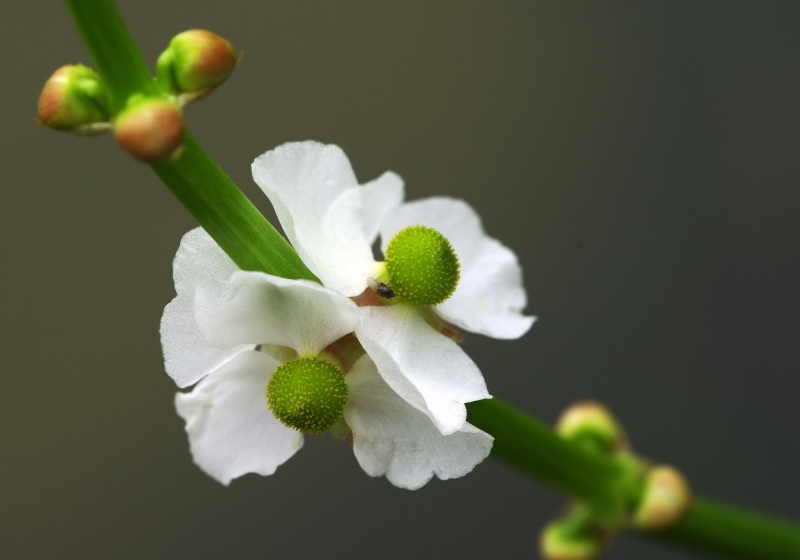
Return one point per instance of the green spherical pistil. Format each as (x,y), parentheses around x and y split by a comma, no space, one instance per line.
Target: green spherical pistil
(307,394)
(422,266)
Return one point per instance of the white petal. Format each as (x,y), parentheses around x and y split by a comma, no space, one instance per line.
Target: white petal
(380,196)
(255,308)
(231,430)
(425,368)
(392,438)
(319,204)
(187,355)
(490,297)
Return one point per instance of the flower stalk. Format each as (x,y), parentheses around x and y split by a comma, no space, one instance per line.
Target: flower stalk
(522,442)
(196,181)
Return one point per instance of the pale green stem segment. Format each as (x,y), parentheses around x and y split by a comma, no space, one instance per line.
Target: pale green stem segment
(253,244)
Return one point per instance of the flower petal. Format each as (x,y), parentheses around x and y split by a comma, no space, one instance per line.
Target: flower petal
(255,308)
(187,355)
(319,204)
(231,430)
(392,438)
(380,197)
(490,297)
(425,368)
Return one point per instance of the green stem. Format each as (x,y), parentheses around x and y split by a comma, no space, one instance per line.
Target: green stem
(228,215)
(253,244)
(735,532)
(198,183)
(113,50)
(534,448)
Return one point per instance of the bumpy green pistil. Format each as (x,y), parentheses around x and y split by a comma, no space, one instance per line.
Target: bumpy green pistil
(307,394)
(422,265)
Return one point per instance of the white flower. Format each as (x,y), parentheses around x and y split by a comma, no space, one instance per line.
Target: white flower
(228,330)
(333,222)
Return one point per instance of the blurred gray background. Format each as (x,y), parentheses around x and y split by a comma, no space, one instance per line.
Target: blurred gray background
(640,158)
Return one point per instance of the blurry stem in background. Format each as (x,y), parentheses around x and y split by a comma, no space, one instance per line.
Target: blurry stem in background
(534,448)
(253,244)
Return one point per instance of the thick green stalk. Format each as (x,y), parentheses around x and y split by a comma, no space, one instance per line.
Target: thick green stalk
(524,443)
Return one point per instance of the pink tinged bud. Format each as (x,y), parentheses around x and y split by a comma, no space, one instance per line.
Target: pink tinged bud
(665,500)
(150,130)
(74,99)
(196,61)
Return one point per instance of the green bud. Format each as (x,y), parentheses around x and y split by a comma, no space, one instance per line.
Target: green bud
(195,62)
(307,394)
(561,540)
(74,99)
(665,500)
(422,265)
(150,129)
(591,425)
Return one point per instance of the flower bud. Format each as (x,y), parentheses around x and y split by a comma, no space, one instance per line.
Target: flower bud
(561,541)
(591,424)
(150,129)
(422,265)
(307,394)
(74,99)
(665,500)
(195,61)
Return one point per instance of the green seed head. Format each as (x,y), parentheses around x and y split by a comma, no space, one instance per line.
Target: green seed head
(307,394)
(422,266)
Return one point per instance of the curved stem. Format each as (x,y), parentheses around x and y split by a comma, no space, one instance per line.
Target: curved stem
(253,244)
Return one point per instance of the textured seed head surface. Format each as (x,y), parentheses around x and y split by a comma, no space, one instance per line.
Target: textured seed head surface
(422,265)
(307,394)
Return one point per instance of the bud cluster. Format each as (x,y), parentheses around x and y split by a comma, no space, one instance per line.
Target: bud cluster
(150,128)
(652,498)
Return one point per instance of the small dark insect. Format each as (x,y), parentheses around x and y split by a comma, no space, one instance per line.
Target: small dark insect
(380,288)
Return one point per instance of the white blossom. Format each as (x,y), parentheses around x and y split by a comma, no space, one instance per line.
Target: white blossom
(228,330)
(332,222)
